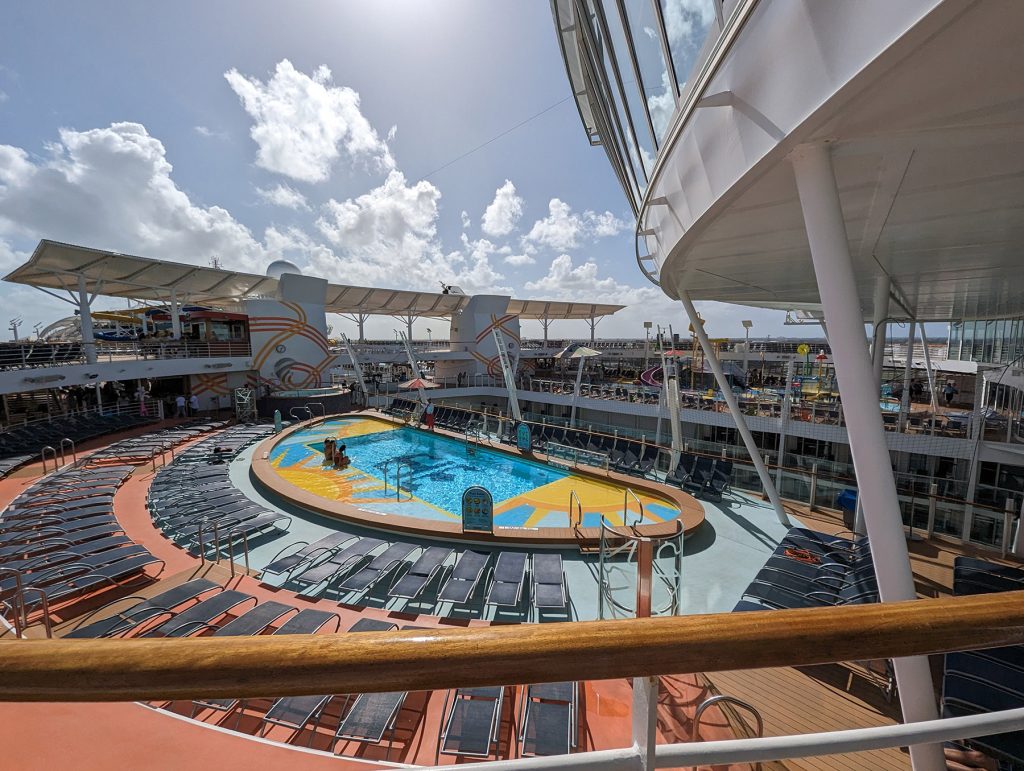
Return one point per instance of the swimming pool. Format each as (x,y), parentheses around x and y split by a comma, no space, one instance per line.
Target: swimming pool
(436,470)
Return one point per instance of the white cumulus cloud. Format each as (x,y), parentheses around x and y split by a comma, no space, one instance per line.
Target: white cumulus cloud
(111,188)
(564,229)
(283,195)
(519,260)
(388,237)
(303,124)
(502,214)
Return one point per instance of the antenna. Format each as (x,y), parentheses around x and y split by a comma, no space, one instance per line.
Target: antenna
(214,262)
(15,323)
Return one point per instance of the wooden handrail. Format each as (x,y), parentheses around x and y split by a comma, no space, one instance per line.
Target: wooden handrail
(139,669)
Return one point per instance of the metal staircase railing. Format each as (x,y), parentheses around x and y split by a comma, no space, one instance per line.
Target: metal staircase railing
(625,543)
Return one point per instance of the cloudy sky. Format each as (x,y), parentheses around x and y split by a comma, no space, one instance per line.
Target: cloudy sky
(397,143)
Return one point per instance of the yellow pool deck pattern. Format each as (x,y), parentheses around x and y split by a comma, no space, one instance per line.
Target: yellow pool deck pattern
(304,466)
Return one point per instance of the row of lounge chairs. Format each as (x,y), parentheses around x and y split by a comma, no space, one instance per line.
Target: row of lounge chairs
(976,682)
(59,540)
(139,449)
(195,503)
(450,418)
(21,444)
(401,408)
(701,475)
(471,718)
(810,569)
(356,566)
(624,455)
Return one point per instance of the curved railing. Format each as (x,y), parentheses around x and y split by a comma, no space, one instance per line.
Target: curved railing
(216,667)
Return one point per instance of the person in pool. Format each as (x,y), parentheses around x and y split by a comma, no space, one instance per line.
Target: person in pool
(341,459)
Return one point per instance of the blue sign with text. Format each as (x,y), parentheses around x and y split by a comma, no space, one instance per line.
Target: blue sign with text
(524,440)
(477,510)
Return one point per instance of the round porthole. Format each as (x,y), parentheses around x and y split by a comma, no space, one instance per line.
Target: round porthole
(281,349)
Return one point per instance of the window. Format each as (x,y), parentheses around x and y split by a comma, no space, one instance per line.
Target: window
(658,89)
(687,24)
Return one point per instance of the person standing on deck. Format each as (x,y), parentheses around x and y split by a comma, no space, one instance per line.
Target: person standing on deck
(949,391)
(193,404)
(429,413)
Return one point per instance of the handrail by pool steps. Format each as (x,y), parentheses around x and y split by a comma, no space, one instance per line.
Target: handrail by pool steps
(577,521)
(625,507)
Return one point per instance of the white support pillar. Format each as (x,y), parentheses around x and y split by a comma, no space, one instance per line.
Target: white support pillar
(879,324)
(593,324)
(734,407)
(175,316)
(545,322)
(85,322)
(833,270)
(907,369)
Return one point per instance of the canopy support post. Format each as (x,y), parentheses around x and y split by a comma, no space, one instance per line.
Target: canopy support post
(833,271)
(85,322)
(175,316)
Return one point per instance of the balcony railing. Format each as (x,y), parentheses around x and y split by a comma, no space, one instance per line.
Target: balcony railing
(31,355)
(432,659)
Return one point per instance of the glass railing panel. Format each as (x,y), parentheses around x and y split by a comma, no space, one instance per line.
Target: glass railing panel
(657,86)
(691,27)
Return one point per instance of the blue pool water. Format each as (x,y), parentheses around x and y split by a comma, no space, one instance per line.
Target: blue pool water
(442,469)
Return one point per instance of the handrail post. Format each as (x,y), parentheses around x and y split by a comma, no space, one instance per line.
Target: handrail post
(644,720)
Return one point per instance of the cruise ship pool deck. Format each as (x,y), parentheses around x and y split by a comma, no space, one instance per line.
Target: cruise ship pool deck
(722,553)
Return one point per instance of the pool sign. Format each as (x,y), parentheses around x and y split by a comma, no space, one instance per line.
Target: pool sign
(524,441)
(477,510)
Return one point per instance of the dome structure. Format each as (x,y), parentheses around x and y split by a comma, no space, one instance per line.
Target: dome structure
(278,268)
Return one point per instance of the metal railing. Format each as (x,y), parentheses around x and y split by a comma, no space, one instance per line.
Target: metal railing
(42,354)
(74,453)
(627,494)
(724,698)
(575,522)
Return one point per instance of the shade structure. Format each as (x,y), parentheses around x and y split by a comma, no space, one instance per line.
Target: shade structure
(576,351)
(418,383)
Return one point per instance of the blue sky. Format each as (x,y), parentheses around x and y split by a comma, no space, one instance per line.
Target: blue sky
(328,133)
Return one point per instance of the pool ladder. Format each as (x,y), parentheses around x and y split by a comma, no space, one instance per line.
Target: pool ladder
(398,477)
